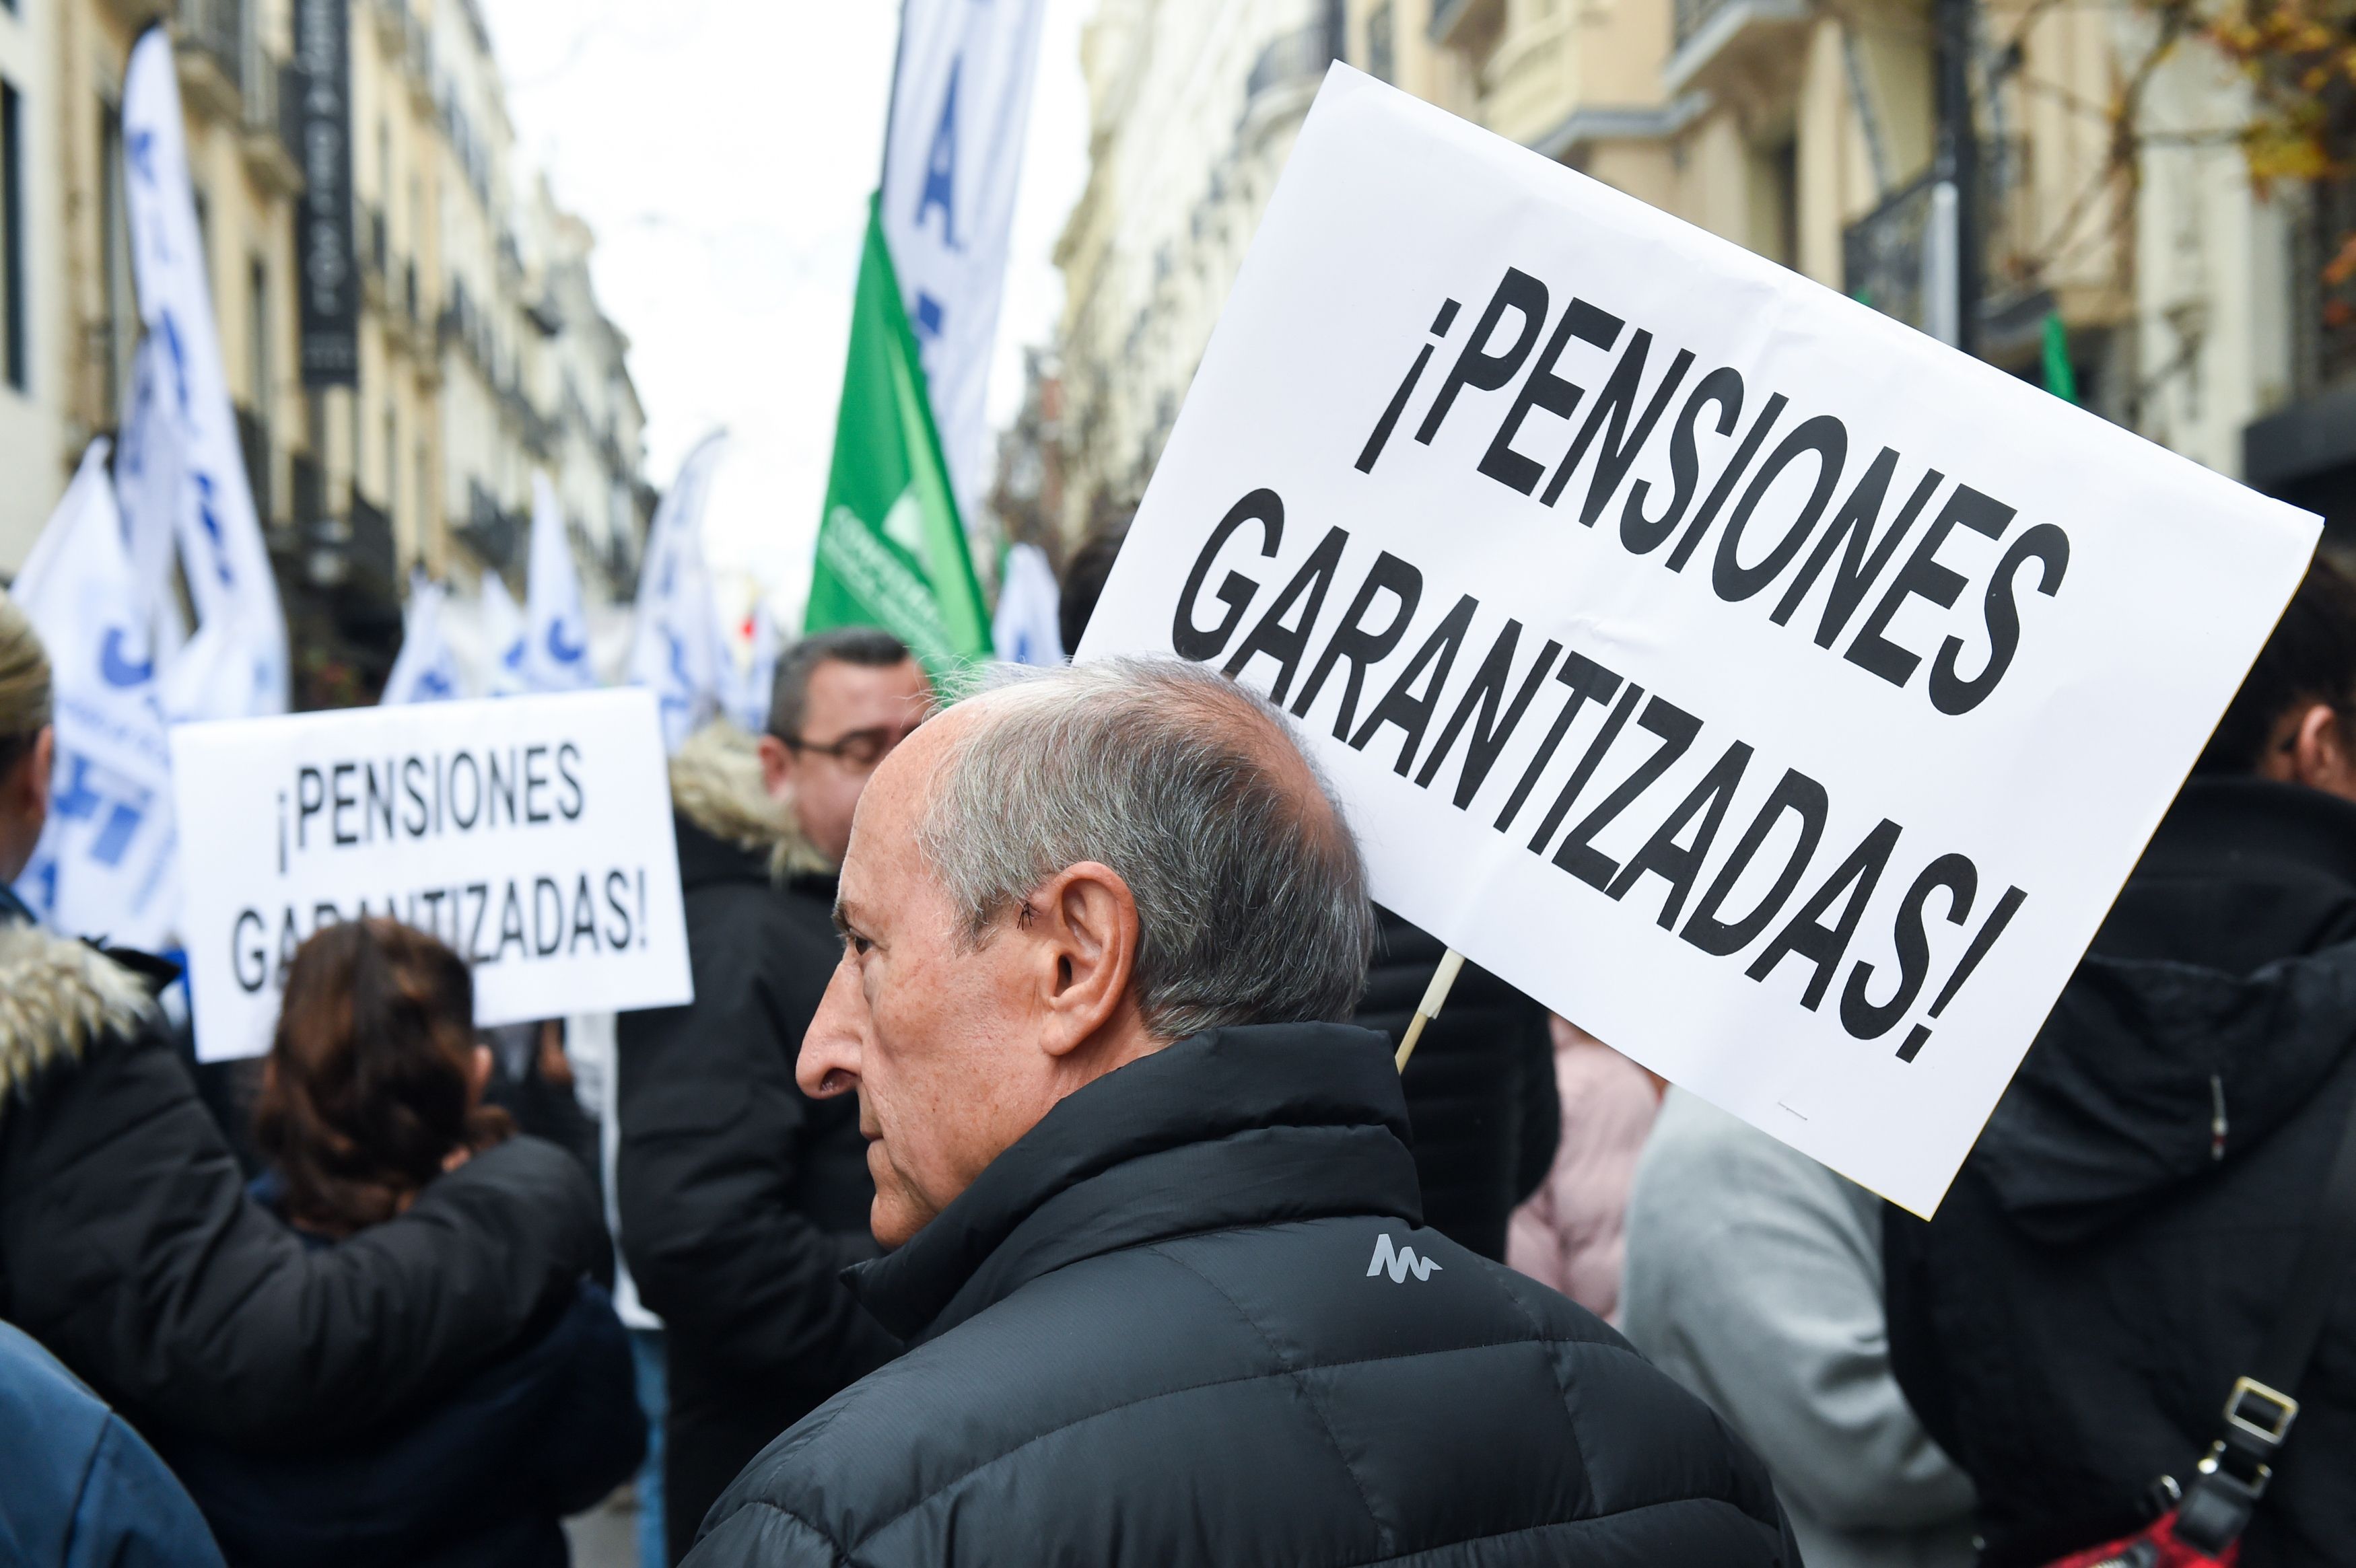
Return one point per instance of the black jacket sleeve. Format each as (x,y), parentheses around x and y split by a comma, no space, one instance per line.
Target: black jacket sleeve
(1541,1104)
(130,1248)
(714,1137)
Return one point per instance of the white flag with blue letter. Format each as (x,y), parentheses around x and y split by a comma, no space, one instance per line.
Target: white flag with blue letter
(241,668)
(106,864)
(1027,627)
(961,104)
(150,476)
(505,637)
(677,648)
(426,670)
(556,650)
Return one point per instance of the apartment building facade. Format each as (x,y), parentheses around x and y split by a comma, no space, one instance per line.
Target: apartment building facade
(471,352)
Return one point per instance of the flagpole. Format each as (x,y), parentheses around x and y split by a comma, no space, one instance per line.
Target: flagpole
(892,98)
(1435,996)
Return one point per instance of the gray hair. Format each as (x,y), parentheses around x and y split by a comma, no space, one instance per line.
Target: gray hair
(1251,899)
(25,698)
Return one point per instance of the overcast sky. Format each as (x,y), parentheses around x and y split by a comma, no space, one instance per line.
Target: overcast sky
(724,151)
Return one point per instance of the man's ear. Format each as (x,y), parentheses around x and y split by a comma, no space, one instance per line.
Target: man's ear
(776,767)
(2317,751)
(1083,923)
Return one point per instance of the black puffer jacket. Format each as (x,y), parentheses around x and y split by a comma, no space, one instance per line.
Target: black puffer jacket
(741,1199)
(128,1245)
(1480,1088)
(1192,1318)
(2101,1272)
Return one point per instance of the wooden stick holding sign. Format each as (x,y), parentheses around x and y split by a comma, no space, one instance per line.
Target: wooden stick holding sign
(1427,1009)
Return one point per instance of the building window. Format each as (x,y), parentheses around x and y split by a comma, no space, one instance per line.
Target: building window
(1382,58)
(12,236)
(257,338)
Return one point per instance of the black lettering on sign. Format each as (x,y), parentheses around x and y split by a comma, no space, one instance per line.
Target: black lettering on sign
(1827,438)
(1613,722)
(1640,535)
(1727,480)
(1589,682)
(1353,645)
(1289,645)
(1798,794)
(1869,1020)
(1431,663)
(1676,729)
(1924,578)
(1476,366)
(1680,866)
(568,756)
(1381,436)
(2049,547)
(1825,946)
(1859,565)
(1201,643)
(1545,390)
(1998,918)
(1489,731)
(1609,417)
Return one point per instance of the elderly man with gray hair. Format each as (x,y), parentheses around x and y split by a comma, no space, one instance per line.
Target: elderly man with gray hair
(1159,1251)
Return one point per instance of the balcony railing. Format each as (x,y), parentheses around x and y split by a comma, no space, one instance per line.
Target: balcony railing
(217,30)
(1299,55)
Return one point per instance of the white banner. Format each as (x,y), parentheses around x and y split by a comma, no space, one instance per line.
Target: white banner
(244,662)
(961,104)
(556,649)
(426,670)
(532,835)
(1778,694)
(677,649)
(105,864)
(1026,627)
(150,480)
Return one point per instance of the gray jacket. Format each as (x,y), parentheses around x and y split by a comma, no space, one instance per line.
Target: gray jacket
(1754,1279)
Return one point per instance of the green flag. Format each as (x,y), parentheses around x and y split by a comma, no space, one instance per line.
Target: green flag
(2061,376)
(891,549)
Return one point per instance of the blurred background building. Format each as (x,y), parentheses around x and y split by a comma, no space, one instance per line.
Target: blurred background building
(2133,243)
(481,351)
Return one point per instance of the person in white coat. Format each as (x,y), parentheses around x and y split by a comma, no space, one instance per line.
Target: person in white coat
(1753,1278)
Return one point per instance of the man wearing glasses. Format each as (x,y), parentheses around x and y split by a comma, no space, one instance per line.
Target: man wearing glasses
(741,1199)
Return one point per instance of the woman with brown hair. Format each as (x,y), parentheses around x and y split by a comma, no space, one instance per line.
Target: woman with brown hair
(129,1247)
(371,1092)
(373,1086)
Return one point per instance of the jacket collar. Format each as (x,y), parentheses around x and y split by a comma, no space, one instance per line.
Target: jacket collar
(2247,825)
(1252,1125)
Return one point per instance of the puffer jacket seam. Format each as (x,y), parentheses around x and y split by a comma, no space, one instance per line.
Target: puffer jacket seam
(1300,1382)
(826,1535)
(1616,1516)
(972,1470)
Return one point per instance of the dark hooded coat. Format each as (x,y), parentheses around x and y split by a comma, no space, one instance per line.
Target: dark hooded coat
(1480,1089)
(129,1247)
(2118,1244)
(1193,1318)
(742,1199)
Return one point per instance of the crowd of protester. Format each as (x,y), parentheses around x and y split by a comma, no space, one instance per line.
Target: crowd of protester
(1006,1195)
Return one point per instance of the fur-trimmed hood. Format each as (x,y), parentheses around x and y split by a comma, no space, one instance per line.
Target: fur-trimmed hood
(57,996)
(715,783)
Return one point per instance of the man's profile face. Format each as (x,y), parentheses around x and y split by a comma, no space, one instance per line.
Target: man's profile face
(852,718)
(939,1042)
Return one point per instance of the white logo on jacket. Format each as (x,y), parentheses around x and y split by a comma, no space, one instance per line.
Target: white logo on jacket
(1401,1261)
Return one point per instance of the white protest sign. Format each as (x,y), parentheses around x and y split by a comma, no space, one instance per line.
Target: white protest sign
(1775,692)
(533,833)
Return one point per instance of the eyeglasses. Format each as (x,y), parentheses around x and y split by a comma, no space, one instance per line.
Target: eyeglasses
(862,749)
